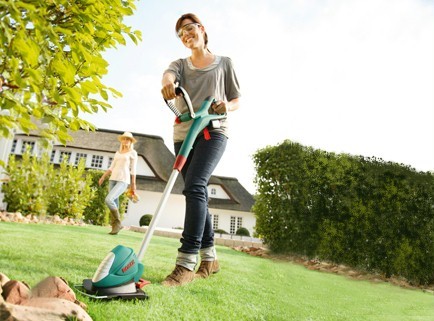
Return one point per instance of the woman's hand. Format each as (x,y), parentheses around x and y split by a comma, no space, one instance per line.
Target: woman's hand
(101,180)
(168,90)
(220,107)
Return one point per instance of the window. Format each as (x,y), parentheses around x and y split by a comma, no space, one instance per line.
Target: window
(25,144)
(110,161)
(232,228)
(14,146)
(78,157)
(213,191)
(53,155)
(215,222)
(96,161)
(64,155)
(239,222)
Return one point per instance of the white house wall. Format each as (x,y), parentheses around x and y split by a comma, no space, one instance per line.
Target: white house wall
(171,217)
(248,218)
(174,212)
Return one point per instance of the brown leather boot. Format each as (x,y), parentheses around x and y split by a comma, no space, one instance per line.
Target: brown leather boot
(179,276)
(207,268)
(116,222)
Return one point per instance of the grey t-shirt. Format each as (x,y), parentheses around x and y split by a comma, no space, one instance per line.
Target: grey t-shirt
(217,80)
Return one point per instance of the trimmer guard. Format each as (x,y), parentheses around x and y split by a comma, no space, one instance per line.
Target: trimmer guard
(127,291)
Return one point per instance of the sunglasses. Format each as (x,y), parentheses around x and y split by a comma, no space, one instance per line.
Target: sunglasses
(187,28)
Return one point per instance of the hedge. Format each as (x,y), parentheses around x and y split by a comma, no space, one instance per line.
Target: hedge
(364,212)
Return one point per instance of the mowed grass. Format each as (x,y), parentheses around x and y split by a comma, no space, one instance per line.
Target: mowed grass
(246,288)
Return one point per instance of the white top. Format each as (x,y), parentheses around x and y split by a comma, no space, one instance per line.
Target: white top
(123,166)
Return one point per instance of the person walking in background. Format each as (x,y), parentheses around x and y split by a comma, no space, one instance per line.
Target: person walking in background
(202,74)
(122,172)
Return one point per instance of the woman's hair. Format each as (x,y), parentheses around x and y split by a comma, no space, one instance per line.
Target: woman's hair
(193,18)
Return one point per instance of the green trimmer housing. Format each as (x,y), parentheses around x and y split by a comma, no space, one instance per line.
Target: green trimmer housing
(116,276)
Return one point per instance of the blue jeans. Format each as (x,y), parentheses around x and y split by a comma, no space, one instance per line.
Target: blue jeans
(116,188)
(201,162)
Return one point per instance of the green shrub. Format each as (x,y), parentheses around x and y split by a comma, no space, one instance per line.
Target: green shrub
(145,220)
(96,211)
(29,179)
(70,190)
(242,231)
(220,231)
(35,186)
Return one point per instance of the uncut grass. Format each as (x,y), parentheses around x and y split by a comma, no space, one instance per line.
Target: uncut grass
(247,288)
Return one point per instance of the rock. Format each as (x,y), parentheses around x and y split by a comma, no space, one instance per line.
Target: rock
(56,219)
(3,279)
(53,287)
(11,312)
(60,306)
(15,292)
(18,217)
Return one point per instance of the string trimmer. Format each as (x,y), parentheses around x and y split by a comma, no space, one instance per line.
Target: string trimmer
(119,274)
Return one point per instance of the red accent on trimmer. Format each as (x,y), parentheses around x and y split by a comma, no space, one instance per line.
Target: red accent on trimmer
(178,120)
(142,283)
(206,134)
(179,162)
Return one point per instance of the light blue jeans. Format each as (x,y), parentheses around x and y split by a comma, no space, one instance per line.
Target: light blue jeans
(116,189)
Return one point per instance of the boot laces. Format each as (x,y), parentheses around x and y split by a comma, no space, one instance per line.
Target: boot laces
(176,272)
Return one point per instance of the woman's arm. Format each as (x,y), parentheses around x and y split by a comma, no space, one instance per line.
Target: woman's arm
(168,84)
(133,170)
(106,173)
(133,183)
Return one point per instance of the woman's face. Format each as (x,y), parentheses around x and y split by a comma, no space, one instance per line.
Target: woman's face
(191,34)
(126,142)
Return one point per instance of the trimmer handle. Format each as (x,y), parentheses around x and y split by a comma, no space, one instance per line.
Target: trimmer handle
(179,91)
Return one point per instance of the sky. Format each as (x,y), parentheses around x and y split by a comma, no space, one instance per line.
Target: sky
(343,76)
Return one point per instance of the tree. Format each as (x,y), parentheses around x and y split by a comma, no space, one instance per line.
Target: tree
(52,65)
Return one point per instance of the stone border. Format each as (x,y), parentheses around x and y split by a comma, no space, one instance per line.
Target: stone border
(174,233)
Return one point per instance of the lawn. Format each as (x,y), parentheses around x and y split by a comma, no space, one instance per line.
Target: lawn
(247,287)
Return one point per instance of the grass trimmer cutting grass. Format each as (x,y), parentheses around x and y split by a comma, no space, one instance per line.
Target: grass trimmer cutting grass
(119,274)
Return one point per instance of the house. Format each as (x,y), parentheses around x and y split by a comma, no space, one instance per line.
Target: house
(230,203)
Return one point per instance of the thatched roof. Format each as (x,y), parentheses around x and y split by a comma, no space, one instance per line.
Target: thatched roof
(241,199)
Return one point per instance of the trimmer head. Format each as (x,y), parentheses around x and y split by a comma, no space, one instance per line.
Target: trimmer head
(117,276)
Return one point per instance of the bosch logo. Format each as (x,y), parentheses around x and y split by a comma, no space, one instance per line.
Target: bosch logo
(128,266)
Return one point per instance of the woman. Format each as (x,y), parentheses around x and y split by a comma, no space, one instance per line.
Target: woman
(122,172)
(202,74)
